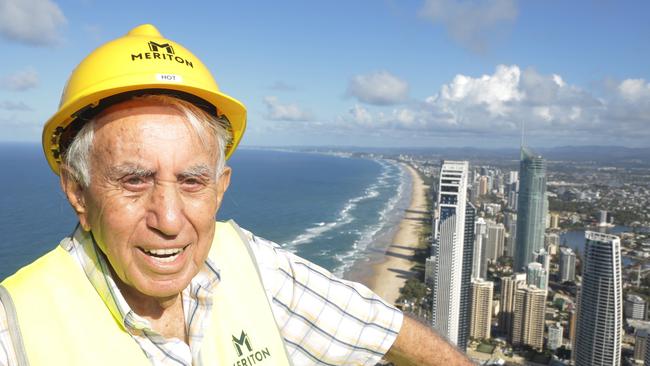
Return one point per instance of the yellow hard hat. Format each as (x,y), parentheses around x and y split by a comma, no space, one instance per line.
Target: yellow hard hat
(141,62)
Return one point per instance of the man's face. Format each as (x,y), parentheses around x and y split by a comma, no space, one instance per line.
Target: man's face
(153,197)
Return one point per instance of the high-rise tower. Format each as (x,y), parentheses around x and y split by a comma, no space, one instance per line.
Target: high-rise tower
(531,208)
(495,240)
(466,276)
(448,254)
(528,317)
(509,287)
(600,304)
(555,335)
(536,275)
(481,308)
(567,265)
(479,261)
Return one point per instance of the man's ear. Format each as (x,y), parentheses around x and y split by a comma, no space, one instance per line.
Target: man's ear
(223,181)
(74,192)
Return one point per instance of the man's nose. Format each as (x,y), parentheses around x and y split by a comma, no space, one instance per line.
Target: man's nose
(166,210)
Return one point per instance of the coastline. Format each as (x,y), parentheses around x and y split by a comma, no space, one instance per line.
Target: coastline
(387,273)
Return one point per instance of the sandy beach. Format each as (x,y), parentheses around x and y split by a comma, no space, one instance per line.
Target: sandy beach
(388,275)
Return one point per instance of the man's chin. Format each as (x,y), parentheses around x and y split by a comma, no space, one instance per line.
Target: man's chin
(164,288)
(143,289)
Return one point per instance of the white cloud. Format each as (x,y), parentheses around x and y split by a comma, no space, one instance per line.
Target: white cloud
(502,100)
(493,106)
(14,106)
(634,89)
(472,23)
(492,91)
(35,22)
(21,80)
(379,88)
(277,111)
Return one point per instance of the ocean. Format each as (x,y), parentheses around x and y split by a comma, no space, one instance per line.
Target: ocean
(332,210)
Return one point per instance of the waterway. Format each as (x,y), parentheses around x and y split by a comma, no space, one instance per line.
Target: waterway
(575,239)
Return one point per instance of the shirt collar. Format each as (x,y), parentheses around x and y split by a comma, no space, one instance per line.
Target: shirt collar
(82,246)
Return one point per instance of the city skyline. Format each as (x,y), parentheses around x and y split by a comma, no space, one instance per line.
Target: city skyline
(539,315)
(380,74)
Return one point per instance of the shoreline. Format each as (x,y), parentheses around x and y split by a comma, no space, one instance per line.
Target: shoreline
(387,273)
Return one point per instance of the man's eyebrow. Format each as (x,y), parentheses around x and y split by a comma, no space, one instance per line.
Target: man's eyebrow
(200,170)
(130,169)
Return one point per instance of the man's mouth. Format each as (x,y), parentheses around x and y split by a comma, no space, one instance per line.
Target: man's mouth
(164,255)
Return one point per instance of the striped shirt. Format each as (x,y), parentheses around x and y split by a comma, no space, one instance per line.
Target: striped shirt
(323,320)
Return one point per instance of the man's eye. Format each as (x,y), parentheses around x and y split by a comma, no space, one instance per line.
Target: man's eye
(192,183)
(134,182)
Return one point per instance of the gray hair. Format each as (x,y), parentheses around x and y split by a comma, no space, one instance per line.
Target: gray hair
(77,156)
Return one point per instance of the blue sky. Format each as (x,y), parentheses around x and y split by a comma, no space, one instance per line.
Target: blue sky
(367,73)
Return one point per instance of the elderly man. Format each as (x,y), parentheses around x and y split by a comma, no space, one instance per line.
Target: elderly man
(148,277)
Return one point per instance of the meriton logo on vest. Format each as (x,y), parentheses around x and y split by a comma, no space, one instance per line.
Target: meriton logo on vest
(158,51)
(248,356)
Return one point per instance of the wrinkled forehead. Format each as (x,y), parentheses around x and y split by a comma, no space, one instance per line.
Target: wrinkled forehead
(163,128)
(137,118)
(135,107)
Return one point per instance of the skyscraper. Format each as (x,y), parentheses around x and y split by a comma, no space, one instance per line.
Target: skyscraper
(528,317)
(573,320)
(600,303)
(647,354)
(509,286)
(481,310)
(640,340)
(479,266)
(495,239)
(567,265)
(634,307)
(510,223)
(466,276)
(483,185)
(531,208)
(448,252)
(542,257)
(536,275)
(603,218)
(513,177)
(512,185)
(555,335)
(552,243)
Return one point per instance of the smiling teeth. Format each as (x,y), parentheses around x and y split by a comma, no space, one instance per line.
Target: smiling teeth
(167,259)
(164,251)
(163,255)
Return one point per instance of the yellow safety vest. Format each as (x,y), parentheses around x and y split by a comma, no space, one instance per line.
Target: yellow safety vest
(58,318)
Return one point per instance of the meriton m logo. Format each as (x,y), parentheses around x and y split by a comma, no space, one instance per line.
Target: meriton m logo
(243,343)
(153,46)
(163,51)
(240,342)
